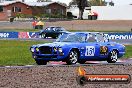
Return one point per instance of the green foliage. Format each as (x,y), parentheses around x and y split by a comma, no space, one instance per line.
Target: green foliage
(39,16)
(20,15)
(97,2)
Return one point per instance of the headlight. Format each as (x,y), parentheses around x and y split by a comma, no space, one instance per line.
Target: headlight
(60,50)
(32,49)
(55,49)
(37,49)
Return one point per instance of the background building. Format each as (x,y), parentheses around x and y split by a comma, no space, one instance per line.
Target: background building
(20,9)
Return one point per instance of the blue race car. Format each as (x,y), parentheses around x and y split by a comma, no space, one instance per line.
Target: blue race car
(78,47)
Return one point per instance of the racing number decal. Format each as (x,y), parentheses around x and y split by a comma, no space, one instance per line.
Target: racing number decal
(90,50)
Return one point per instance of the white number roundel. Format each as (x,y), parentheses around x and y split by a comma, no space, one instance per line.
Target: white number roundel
(90,51)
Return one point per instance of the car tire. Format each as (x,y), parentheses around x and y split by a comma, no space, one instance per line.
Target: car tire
(72,57)
(113,56)
(54,37)
(41,62)
(43,35)
(81,61)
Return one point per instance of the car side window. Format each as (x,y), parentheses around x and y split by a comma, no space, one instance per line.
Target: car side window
(47,29)
(91,38)
(101,38)
(53,29)
(62,29)
(58,29)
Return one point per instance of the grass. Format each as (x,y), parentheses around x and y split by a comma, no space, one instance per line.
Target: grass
(16,52)
(19,30)
(98,30)
(38,30)
(128,51)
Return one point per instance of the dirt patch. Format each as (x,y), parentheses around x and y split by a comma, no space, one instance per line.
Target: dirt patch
(58,76)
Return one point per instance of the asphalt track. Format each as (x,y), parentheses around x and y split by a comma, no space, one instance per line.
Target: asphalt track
(120,61)
(59,63)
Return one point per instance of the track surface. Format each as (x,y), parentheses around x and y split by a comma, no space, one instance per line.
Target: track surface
(59,63)
(94,25)
(120,61)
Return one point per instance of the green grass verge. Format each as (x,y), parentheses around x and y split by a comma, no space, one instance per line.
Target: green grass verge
(38,30)
(128,53)
(99,30)
(19,30)
(16,52)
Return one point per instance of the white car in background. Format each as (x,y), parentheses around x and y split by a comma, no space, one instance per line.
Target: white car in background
(75,11)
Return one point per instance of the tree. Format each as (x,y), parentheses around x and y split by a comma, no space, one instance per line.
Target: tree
(97,2)
(73,2)
(81,5)
(43,0)
(111,3)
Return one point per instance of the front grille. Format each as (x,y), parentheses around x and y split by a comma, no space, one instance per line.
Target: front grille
(45,50)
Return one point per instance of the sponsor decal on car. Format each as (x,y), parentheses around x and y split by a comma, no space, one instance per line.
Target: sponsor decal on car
(103,50)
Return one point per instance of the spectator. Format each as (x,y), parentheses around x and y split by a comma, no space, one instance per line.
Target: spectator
(92,15)
(95,15)
(40,25)
(34,24)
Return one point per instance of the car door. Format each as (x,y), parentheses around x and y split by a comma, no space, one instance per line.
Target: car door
(92,48)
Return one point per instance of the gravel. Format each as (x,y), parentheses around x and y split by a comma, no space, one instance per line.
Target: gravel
(63,76)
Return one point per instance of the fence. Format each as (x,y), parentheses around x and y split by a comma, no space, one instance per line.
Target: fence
(29,35)
(20,35)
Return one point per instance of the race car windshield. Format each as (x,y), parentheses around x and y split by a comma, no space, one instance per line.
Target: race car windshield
(73,37)
(101,38)
(50,29)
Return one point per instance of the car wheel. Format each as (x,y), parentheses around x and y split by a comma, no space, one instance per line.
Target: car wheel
(41,62)
(54,37)
(113,56)
(81,62)
(43,35)
(72,58)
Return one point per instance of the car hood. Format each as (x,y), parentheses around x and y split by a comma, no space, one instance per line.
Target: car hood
(55,44)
